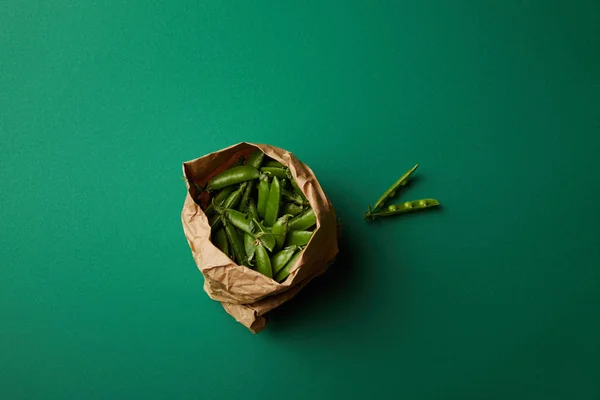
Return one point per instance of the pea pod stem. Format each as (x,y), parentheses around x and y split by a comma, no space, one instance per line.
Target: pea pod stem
(408,206)
(392,190)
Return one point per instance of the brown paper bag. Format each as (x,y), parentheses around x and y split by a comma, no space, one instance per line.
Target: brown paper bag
(244,293)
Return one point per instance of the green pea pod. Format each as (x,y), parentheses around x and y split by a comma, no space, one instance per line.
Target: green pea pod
(263,263)
(280,173)
(256,159)
(266,237)
(280,259)
(290,208)
(232,176)
(274,164)
(252,211)
(303,221)
(298,238)
(237,245)
(246,196)
(239,220)
(298,191)
(235,197)
(391,192)
(408,206)
(279,230)
(250,246)
(285,271)
(272,209)
(218,200)
(221,241)
(292,197)
(263,195)
(230,202)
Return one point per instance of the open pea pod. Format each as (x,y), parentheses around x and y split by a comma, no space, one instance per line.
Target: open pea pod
(405,207)
(391,192)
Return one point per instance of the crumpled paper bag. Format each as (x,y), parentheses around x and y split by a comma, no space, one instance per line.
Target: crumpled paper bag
(244,293)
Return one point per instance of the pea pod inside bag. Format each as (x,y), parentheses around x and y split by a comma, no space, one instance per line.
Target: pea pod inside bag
(241,240)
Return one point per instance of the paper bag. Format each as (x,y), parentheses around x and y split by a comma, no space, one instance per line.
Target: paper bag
(244,293)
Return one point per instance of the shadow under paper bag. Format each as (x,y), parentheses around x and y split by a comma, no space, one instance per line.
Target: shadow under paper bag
(244,293)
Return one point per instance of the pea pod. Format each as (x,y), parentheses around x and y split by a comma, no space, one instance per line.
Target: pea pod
(280,173)
(391,192)
(237,245)
(292,197)
(239,220)
(279,230)
(230,202)
(274,164)
(218,200)
(220,238)
(247,194)
(252,211)
(256,159)
(250,246)
(232,176)
(297,190)
(290,208)
(235,197)
(303,221)
(263,195)
(298,238)
(263,263)
(272,208)
(280,259)
(266,237)
(285,271)
(408,206)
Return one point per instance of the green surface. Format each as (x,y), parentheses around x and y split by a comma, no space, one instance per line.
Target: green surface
(496,296)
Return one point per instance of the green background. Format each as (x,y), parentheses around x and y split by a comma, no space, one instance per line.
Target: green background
(495,296)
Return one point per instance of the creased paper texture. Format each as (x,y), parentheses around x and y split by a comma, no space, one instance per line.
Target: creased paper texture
(244,293)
